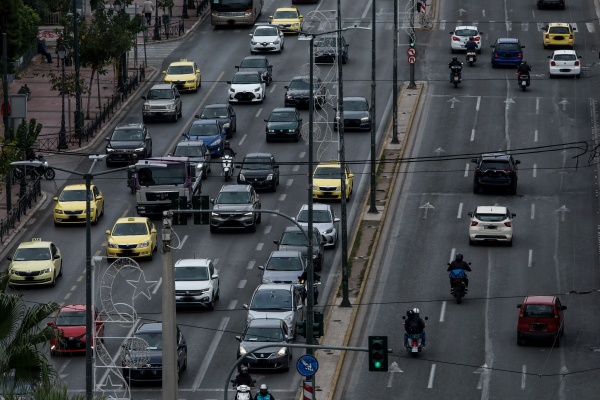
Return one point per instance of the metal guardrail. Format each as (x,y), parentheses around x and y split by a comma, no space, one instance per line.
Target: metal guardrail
(172,28)
(13,217)
(54,18)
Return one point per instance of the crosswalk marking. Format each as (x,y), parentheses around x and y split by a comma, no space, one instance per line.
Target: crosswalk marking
(524,26)
(574,25)
(590,27)
(540,26)
(508,26)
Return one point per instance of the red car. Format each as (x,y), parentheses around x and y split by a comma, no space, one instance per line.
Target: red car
(541,317)
(70,322)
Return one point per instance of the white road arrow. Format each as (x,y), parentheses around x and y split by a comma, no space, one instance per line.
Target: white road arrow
(392,370)
(561,210)
(481,372)
(564,103)
(453,100)
(508,102)
(461,11)
(439,151)
(426,206)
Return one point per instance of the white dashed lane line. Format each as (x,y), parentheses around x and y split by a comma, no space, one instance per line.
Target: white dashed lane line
(460,207)
(282,197)
(250,264)
(289,182)
(157,286)
(431,377)
(243,138)
(530,260)
(259,111)
(467,171)
(259,246)
(268,229)
(296,168)
(232,305)
(302,154)
(242,284)
(273,88)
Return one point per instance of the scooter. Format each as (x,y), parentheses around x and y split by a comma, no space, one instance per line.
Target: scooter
(471,57)
(131,185)
(300,285)
(456,70)
(415,342)
(243,392)
(228,167)
(33,173)
(524,81)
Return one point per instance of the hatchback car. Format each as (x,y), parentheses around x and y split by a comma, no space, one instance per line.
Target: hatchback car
(71,323)
(258,64)
(284,123)
(297,92)
(35,263)
(127,140)
(247,87)
(196,283)
(71,205)
(197,152)
(260,332)
(211,132)
(235,205)
(558,34)
(491,224)
(461,35)
(326,49)
(293,239)
(495,171)
(260,171)
(541,317)
(324,219)
(266,38)
(356,114)
(564,62)
(279,302)
(507,51)
(327,181)
(184,74)
(162,101)
(132,237)
(283,267)
(223,113)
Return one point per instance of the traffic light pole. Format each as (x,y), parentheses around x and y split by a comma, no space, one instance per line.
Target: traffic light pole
(412,39)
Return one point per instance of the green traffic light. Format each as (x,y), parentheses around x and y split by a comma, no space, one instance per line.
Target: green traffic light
(412,44)
(377,364)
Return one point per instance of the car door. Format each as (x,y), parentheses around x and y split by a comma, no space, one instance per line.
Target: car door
(152,235)
(55,257)
(232,117)
(98,199)
(275,168)
(298,307)
(181,348)
(147,142)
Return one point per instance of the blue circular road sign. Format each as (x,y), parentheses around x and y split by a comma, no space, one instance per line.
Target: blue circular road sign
(307,365)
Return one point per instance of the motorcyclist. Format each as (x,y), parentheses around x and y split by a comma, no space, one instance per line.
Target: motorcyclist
(471,45)
(414,325)
(452,63)
(524,69)
(243,378)
(458,263)
(264,394)
(131,172)
(228,151)
(316,278)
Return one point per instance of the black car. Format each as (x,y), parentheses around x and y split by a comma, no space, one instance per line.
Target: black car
(283,123)
(260,171)
(356,114)
(297,92)
(151,333)
(235,204)
(293,239)
(260,64)
(260,332)
(551,3)
(127,140)
(495,171)
(223,113)
(326,49)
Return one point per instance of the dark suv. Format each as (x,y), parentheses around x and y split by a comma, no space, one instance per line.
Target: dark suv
(259,170)
(235,204)
(327,47)
(495,171)
(127,140)
(297,92)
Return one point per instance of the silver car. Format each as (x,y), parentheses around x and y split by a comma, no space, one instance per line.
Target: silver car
(162,101)
(283,267)
(324,219)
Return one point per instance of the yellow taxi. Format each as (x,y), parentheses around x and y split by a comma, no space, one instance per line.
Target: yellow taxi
(559,34)
(184,74)
(327,182)
(35,263)
(70,205)
(288,17)
(132,237)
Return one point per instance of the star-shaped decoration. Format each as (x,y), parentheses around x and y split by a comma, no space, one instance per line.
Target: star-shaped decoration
(109,388)
(142,287)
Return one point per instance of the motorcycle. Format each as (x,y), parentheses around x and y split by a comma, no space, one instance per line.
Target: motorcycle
(524,81)
(456,79)
(132,185)
(471,57)
(33,173)
(458,284)
(228,167)
(300,285)
(243,392)
(415,342)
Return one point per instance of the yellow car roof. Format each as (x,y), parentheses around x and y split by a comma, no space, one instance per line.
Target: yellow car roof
(329,163)
(559,24)
(131,220)
(79,186)
(181,62)
(36,243)
(287,9)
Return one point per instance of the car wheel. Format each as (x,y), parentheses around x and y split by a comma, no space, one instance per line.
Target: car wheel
(274,188)
(196,88)
(175,116)
(204,175)
(218,294)
(539,7)
(277,183)
(344,60)
(102,212)
(109,163)
(493,65)
(287,367)
(557,341)
(61,270)
(563,7)
(151,256)
(578,76)
(53,284)
(478,51)
(513,190)
(453,52)
(297,139)
(562,331)
(211,305)
(252,228)
(551,76)
(267,139)
(259,219)
(520,342)
(475,189)
(95,221)
(184,367)
(213,229)
(545,47)
(471,242)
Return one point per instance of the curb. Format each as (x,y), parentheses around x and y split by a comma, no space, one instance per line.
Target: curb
(23,223)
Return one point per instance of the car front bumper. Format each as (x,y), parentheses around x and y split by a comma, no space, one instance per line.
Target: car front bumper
(72,219)
(559,43)
(565,70)
(68,346)
(322,195)
(143,374)
(272,362)
(490,235)
(258,183)
(492,183)
(133,253)
(248,97)
(124,157)
(200,300)
(269,47)
(351,124)
(184,86)
(232,222)
(43,279)
(159,113)
(282,135)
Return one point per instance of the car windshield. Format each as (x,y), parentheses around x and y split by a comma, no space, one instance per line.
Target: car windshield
(565,57)
(32,254)
(160,94)
(257,163)
(355,105)
(490,217)
(296,239)
(252,63)
(204,130)
(246,78)
(180,70)
(233,198)
(265,32)
(188,151)
(327,42)
(71,318)
(126,135)
(559,30)
(263,335)
(508,46)
(300,84)
(154,339)
(282,117)
(191,274)
(74,195)
(276,299)
(173,174)
(327,173)
(538,311)
(130,228)
(210,113)
(496,164)
(285,14)
(318,216)
(465,32)
(284,264)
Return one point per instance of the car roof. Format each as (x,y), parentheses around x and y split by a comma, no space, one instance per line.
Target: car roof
(150,327)
(316,206)
(508,40)
(355,98)
(540,300)
(246,73)
(330,163)
(285,253)
(265,323)
(192,262)
(73,308)
(274,286)
(284,109)
(551,24)
(257,155)
(287,9)
(182,62)
(216,106)
(573,52)
(491,210)
(190,143)
(235,188)
(131,220)
(255,58)
(465,27)
(162,86)
(35,243)
(129,125)
(496,156)
(296,229)
(76,186)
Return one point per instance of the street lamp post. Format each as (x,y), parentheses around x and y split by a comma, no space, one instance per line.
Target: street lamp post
(62,142)
(78,118)
(156,24)
(121,84)
(372,207)
(395,79)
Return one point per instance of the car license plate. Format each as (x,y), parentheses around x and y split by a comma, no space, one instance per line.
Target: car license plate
(187,298)
(463,46)
(565,70)
(415,349)
(489,227)
(29,278)
(141,372)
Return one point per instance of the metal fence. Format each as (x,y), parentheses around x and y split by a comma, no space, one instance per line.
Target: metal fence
(13,217)
(23,61)
(173,28)
(54,18)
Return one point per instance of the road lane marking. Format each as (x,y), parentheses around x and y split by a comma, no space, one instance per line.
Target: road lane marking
(210,353)
(302,154)
(73,288)
(237,31)
(467,171)
(185,238)
(232,305)
(574,25)
(431,376)
(534,170)
(364,14)
(282,197)
(243,138)
(259,246)
(535,136)
(157,285)
(258,112)
(530,260)
(524,26)
(98,253)
(523,376)
(478,103)
(215,262)
(452,253)
(289,182)
(443,24)
(533,211)
(540,26)
(459,215)
(472,135)
(590,27)
(62,369)
(275,85)
(296,168)
(492,25)
(537,105)
(443,312)
(80,278)
(241,284)
(126,211)
(250,264)
(483,12)
(533,14)
(268,229)
(67,296)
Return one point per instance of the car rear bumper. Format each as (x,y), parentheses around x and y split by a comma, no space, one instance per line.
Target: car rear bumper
(551,3)
(507,60)
(152,209)
(73,219)
(565,70)
(537,335)
(192,301)
(321,195)
(123,157)
(491,183)
(497,237)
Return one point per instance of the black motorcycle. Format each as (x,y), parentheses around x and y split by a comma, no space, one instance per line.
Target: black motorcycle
(524,81)
(33,173)
(458,285)
(456,75)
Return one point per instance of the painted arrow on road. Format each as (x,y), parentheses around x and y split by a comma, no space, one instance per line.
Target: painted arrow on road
(508,102)
(394,368)
(453,100)
(461,11)
(439,151)
(426,206)
(563,210)
(564,103)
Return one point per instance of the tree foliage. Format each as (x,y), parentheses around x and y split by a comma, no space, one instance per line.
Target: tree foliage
(10,23)
(13,149)
(30,22)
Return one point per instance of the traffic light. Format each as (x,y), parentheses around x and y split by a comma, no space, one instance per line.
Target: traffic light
(318,325)
(378,359)
(301,328)
(200,203)
(181,204)
(412,43)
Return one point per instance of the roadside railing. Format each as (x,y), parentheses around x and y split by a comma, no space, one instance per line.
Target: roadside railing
(54,18)
(23,61)
(172,28)
(13,217)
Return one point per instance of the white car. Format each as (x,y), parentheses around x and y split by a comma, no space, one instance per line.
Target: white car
(565,62)
(492,224)
(276,301)
(461,35)
(196,283)
(324,219)
(247,87)
(266,38)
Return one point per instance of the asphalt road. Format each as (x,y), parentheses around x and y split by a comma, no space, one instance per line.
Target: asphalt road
(555,245)
(211,335)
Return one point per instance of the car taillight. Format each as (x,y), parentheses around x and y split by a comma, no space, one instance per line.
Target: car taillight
(507,224)
(521,312)
(570,36)
(477,39)
(474,223)
(457,279)
(547,36)
(576,63)
(455,38)
(214,11)
(553,63)
(520,55)
(510,171)
(495,54)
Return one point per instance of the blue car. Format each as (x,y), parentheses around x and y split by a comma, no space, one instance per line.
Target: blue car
(507,52)
(211,132)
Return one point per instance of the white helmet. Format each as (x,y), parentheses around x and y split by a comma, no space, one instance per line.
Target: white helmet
(416,311)
(264,386)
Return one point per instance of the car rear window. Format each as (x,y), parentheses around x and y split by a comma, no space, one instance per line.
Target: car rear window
(278,299)
(285,264)
(491,217)
(496,164)
(465,32)
(508,46)
(560,30)
(565,57)
(538,311)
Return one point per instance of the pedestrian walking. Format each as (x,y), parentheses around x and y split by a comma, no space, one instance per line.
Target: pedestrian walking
(43,50)
(147,10)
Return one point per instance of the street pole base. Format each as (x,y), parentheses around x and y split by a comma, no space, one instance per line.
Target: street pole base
(346,303)
(395,139)
(412,85)
(373,210)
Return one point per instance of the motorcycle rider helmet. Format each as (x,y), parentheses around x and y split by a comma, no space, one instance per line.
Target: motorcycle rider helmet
(227,143)
(264,386)
(524,62)
(415,311)
(454,58)
(410,313)
(459,257)
(243,369)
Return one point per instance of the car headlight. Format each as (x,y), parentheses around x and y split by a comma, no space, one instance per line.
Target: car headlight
(315,256)
(170,106)
(267,281)
(364,119)
(216,142)
(226,125)
(144,244)
(192,81)
(146,107)
(276,41)
(296,25)
(338,188)
(242,350)
(287,96)
(315,188)
(109,150)
(204,291)
(257,89)
(112,245)
(270,177)
(252,42)
(248,214)
(214,214)
(139,149)
(271,130)
(288,319)
(232,90)
(282,351)
(58,211)
(91,210)
(292,130)
(46,271)
(329,230)
(242,177)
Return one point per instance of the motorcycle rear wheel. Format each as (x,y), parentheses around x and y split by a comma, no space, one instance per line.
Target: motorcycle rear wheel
(459,295)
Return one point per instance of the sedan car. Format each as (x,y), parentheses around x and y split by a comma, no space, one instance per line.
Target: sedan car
(151,333)
(558,34)
(260,332)
(71,205)
(260,171)
(35,263)
(294,239)
(507,51)
(211,132)
(326,49)
(259,64)
(491,224)
(70,323)
(266,38)
(288,17)
(324,219)
(284,123)
(196,283)
(132,237)
(297,93)
(224,113)
(356,114)
(327,181)
(277,302)
(283,267)
(247,87)
(184,74)
(461,35)
(235,205)
(495,171)
(197,152)
(125,141)
(565,62)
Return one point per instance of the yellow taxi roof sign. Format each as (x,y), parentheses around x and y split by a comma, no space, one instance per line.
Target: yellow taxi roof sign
(183,60)
(131,219)
(333,160)
(36,239)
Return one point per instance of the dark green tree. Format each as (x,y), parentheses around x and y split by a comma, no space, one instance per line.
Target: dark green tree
(30,22)
(10,23)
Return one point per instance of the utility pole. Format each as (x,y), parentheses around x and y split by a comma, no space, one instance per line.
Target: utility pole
(372,207)
(169,330)
(89,315)
(395,79)
(78,118)
(135,61)
(6,130)
(412,39)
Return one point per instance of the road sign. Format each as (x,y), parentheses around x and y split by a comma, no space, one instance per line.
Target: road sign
(412,59)
(307,365)
(411,51)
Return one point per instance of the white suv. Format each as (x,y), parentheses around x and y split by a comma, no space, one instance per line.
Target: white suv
(492,224)
(196,283)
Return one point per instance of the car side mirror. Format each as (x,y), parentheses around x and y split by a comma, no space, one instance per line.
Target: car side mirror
(470,214)
(238,166)
(177,96)
(299,119)
(563,308)
(269,66)
(261,267)
(351,176)
(239,338)
(56,257)
(513,215)
(197,116)
(336,220)
(469,263)
(578,56)
(108,232)
(518,162)
(165,72)
(522,47)
(549,56)
(452,33)
(287,87)
(233,115)
(481,33)
(55,198)
(474,160)
(275,166)
(251,35)
(404,317)
(276,242)
(426,318)
(519,305)
(207,153)
(245,306)
(448,263)
(266,120)
(180,345)
(197,71)
(229,82)
(107,139)
(50,323)
(215,276)
(143,97)
(212,201)
(153,231)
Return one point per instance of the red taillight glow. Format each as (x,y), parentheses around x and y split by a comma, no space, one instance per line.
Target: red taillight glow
(570,36)
(553,63)
(547,36)
(520,55)
(455,38)
(510,171)
(576,63)
(474,223)
(507,224)
(457,279)
(415,344)
(495,55)
(481,170)
(249,10)
(477,39)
